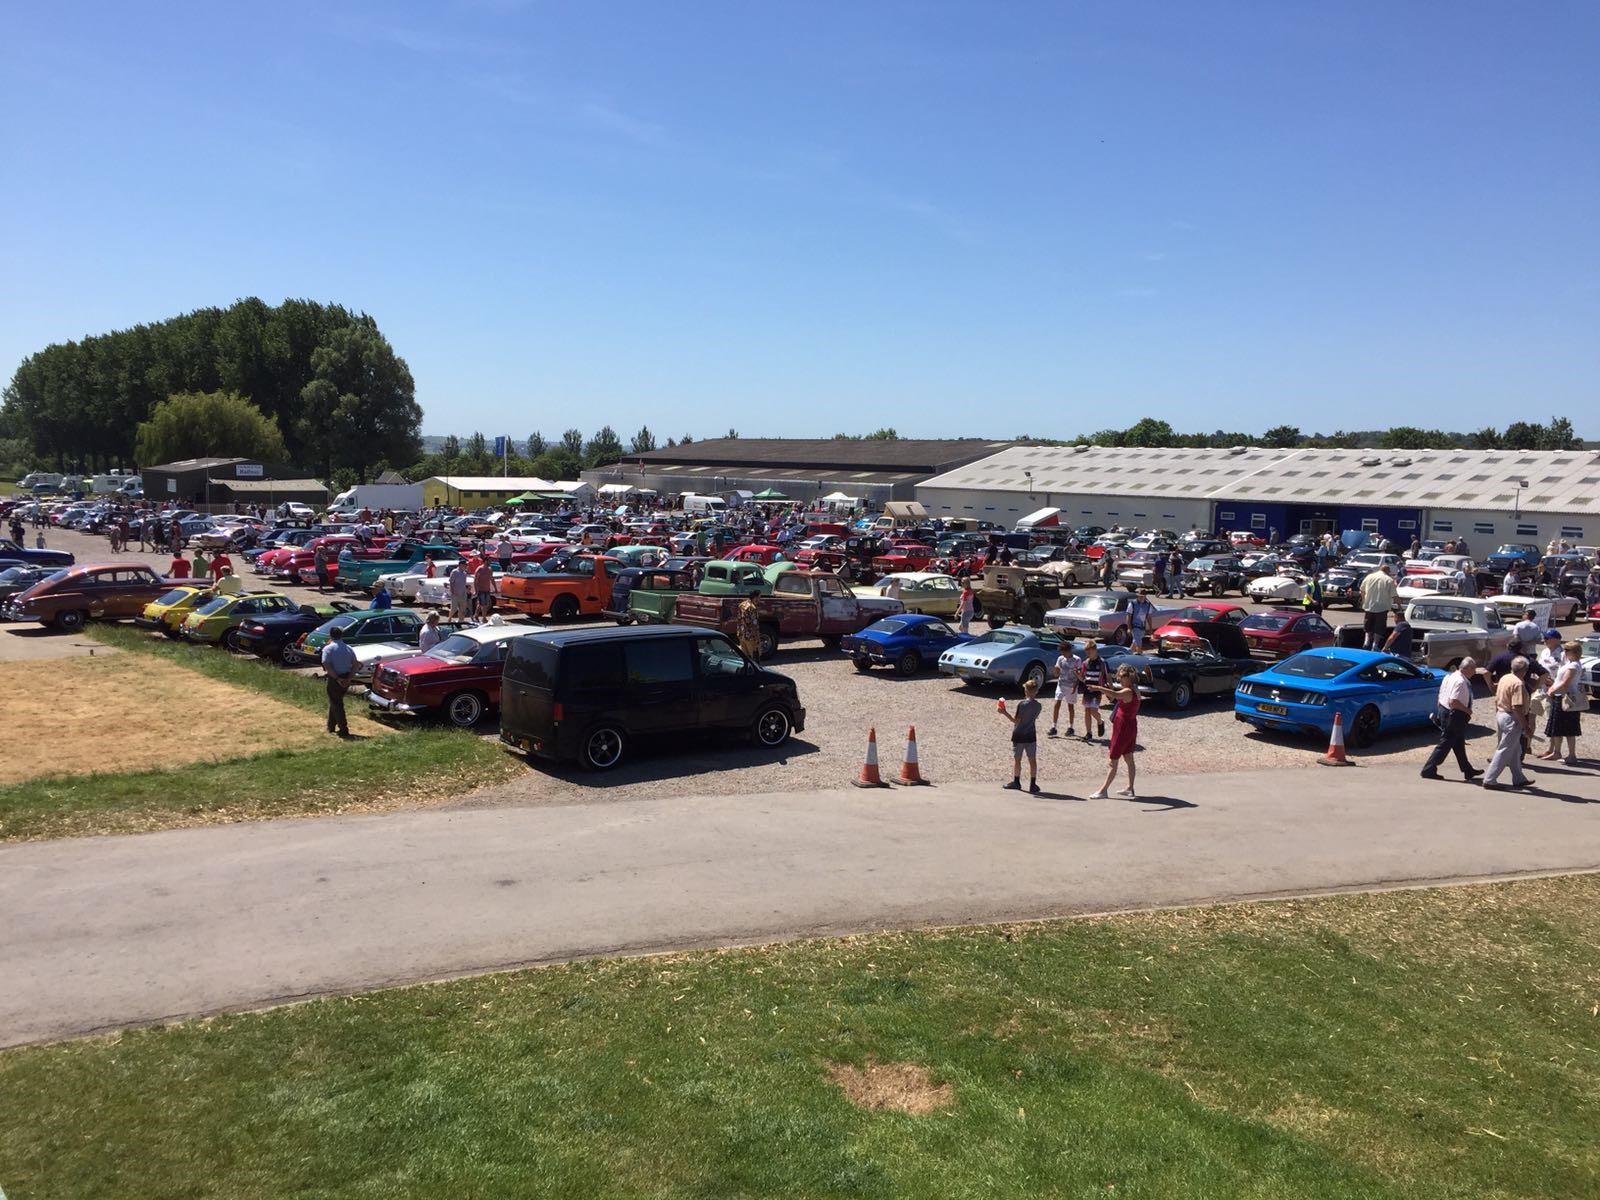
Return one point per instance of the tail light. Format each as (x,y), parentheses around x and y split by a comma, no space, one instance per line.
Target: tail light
(557,711)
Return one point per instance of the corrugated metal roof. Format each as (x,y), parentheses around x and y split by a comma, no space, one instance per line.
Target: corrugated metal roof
(1559,481)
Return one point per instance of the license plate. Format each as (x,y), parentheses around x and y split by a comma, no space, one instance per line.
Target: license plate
(963,670)
(1275,710)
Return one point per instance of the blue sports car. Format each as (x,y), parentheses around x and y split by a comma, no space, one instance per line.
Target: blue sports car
(1375,693)
(908,641)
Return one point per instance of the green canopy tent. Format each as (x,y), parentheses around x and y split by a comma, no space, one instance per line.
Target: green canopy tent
(771,494)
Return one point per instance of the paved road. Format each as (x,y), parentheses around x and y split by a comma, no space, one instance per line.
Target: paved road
(100,933)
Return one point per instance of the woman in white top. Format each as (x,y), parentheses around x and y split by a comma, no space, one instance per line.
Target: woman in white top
(1565,690)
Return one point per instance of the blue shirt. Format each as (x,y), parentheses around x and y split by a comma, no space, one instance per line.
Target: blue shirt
(381,600)
(338,659)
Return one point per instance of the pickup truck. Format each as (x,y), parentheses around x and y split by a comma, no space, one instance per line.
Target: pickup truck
(653,604)
(1456,627)
(801,604)
(34,557)
(582,587)
(658,585)
(359,574)
(103,591)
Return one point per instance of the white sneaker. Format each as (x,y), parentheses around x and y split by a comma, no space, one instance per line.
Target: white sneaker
(1127,792)
(1100,795)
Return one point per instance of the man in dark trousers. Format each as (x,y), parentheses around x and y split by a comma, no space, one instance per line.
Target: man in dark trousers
(1453,717)
(339,665)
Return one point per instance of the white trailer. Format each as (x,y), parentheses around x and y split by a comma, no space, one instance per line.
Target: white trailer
(404,497)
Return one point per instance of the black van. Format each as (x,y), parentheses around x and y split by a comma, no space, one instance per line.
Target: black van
(586,693)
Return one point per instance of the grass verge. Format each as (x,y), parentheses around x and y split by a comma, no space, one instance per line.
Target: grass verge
(1418,1045)
(413,766)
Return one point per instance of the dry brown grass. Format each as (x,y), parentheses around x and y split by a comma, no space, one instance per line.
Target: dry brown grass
(892,1087)
(132,713)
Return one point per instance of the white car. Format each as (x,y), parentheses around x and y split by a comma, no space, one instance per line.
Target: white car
(403,585)
(435,592)
(1421,586)
(1291,585)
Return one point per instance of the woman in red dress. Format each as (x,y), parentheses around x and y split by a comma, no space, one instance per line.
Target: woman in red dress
(1124,694)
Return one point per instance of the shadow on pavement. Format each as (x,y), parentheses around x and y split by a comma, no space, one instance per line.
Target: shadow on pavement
(648,762)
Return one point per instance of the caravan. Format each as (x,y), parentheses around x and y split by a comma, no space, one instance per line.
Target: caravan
(704,506)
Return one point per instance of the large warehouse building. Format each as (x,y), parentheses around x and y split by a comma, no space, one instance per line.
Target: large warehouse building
(808,469)
(1485,495)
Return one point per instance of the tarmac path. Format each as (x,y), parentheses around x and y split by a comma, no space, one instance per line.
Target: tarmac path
(103,933)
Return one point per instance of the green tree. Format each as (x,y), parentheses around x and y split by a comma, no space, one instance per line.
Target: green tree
(452,449)
(604,448)
(536,444)
(733,433)
(207,424)
(644,440)
(1281,437)
(477,446)
(360,405)
(1523,435)
(1487,438)
(572,442)
(671,442)
(686,440)
(556,463)
(1409,437)
(1559,435)
(886,434)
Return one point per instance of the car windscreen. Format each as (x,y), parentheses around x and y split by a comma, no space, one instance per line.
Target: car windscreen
(1003,637)
(171,597)
(887,626)
(456,649)
(1314,666)
(1203,564)
(1270,621)
(1094,603)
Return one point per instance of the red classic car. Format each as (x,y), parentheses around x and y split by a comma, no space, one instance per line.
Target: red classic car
(1240,538)
(1281,632)
(459,679)
(756,552)
(287,561)
(902,556)
(1176,627)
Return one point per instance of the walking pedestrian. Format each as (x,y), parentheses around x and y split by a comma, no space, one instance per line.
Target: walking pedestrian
(1141,617)
(1092,676)
(200,570)
(1024,737)
(483,590)
(747,626)
(1175,575)
(322,559)
(1566,699)
(178,568)
(1066,689)
(969,602)
(1511,725)
(458,591)
(1453,717)
(1124,694)
(339,665)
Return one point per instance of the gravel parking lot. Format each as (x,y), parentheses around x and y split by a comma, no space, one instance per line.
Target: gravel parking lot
(958,733)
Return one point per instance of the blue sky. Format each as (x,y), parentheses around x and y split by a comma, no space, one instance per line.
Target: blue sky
(799,219)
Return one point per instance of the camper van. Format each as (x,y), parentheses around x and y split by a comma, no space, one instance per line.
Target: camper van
(39,479)
(900,514)
(703,506)
(114,481)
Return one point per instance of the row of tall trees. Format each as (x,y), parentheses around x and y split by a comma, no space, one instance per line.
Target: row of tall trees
(561,458)
(1558,434)
(343,402)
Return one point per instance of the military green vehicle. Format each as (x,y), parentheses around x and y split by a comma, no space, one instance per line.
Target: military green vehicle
(1018,594)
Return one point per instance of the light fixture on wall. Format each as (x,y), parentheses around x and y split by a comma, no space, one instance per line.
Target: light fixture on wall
(1029,475)
(1521,483)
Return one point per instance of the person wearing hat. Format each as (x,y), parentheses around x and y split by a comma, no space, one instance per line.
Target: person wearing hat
(1141,613)
(1550,654)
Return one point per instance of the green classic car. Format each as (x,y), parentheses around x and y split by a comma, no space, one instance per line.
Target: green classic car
(217,621)
(365,627)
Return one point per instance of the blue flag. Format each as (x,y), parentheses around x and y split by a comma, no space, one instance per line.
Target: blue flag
(500,447)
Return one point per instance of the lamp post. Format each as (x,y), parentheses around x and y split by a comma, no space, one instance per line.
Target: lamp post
(1029,475)
(1517,514)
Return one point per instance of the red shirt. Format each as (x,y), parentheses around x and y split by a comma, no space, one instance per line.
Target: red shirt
(217,563)
(178,568)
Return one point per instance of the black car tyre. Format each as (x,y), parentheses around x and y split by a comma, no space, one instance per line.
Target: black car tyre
(767,642)
(1036,673)
(1181,695)
(464,709)
(772,727)
(230,642)
(563,608)
(908,663)
(1121,637)
(862,662)
(997,622)
(602,749)
(1219,589)
(287,655)
(1364,729)
(71,620)
(168,631)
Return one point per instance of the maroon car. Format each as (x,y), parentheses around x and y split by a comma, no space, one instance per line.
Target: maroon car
(1282,632)
(459,679)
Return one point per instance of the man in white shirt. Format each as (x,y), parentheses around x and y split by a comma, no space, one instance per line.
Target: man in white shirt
(1377,600)
(1453,717)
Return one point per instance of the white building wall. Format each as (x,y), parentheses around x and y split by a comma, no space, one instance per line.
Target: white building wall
(1485,529)
(1007,508)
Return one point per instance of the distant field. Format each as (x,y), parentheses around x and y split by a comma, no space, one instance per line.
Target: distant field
(1414,1046)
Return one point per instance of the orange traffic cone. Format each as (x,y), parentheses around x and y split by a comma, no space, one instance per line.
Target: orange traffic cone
(869,769)
(1335,756)
(909,774)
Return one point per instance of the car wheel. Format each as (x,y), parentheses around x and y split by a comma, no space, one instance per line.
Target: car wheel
(563,608)
(766,642)
(908,663)
(1181,695)
(287,655)
(1036,675)
(168,631)
(71,620)
(832,640)
(1217,589)
(602,749)
(230,642)
(1364,729)
(862,663)
(772,727)
(464,709)
(1122,637)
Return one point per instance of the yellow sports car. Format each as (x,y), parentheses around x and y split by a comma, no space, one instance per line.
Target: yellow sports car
(217,621)
(166,614)
(920,591)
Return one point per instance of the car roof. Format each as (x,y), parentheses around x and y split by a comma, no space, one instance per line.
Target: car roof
(572,637)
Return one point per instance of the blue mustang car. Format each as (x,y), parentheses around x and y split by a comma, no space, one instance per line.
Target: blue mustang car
(1374,693)
(908,641)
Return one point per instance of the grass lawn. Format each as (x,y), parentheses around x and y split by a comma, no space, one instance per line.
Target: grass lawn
(1416,1045)
(409,766)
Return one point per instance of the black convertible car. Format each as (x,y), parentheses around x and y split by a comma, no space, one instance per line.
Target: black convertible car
(1211,665)
(274,635)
